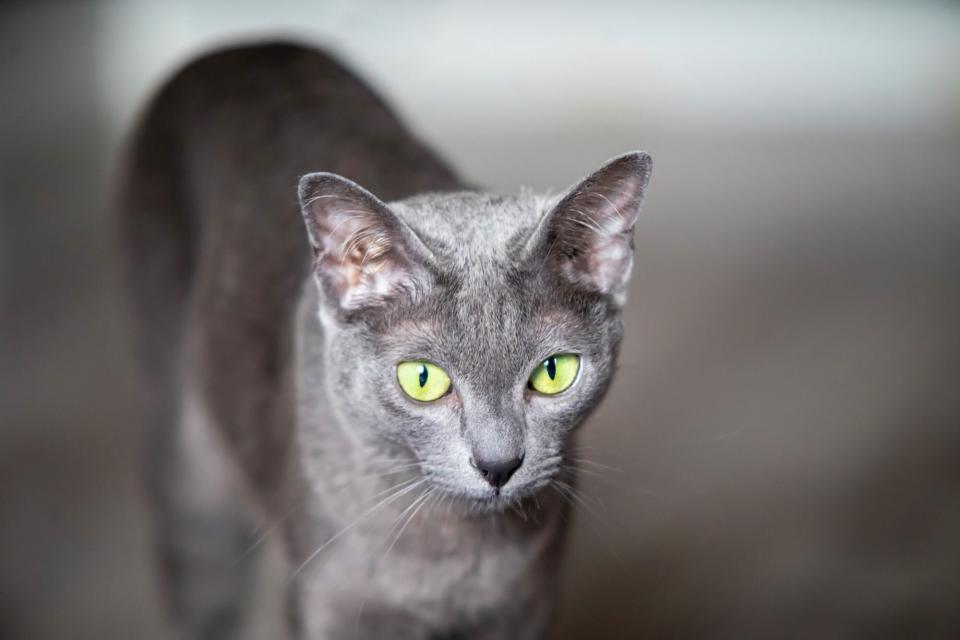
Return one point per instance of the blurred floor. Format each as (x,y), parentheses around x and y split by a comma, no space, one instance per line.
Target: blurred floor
(781,449)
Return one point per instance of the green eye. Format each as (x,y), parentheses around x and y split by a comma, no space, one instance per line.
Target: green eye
(555,374)
(423,381)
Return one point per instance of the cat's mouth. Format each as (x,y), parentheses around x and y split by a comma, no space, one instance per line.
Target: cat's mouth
(480,497)
(507,496)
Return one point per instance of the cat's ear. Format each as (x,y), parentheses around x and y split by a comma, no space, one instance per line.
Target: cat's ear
(364,255)
(588,235)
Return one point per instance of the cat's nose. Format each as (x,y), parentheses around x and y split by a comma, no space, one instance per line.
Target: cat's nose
(497,472)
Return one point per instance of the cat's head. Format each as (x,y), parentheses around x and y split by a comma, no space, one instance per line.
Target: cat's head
(475,331)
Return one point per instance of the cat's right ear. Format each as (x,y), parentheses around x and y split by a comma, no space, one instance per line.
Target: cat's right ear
(364,255)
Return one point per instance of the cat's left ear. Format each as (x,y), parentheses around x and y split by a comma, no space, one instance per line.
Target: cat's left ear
(588,235)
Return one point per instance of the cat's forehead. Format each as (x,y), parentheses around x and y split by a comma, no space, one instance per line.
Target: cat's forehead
(468,228)
(488,325)
(490,309)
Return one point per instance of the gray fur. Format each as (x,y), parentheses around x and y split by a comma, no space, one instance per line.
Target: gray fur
(273,376)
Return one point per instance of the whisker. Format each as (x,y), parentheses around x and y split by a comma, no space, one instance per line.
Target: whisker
(595,464)
(279,521)
(570,492)
(267,532)
(576,496)
(594,474)
(563,496)
(262,521)
(513,507)
(416,505)
(403,490)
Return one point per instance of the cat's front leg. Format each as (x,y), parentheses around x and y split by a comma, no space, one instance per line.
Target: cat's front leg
(517,621)
(333,611)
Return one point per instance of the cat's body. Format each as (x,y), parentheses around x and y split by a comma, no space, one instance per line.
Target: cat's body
(274,399)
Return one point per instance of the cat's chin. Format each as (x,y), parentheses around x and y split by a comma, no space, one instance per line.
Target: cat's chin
(484,502)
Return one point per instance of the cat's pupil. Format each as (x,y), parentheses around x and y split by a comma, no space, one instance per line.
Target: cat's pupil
(423,375)
(550,364)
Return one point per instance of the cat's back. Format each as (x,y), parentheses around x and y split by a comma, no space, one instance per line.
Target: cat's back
(272,112)
(215,245)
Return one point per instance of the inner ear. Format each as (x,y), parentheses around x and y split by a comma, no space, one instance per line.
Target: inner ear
(588,236)
(364,255)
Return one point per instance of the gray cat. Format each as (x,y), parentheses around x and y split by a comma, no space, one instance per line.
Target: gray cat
(394,387)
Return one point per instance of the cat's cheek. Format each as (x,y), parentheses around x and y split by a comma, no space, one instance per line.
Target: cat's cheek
(565,412)
(419,423)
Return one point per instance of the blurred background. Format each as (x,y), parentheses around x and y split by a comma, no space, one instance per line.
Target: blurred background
(781,449)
